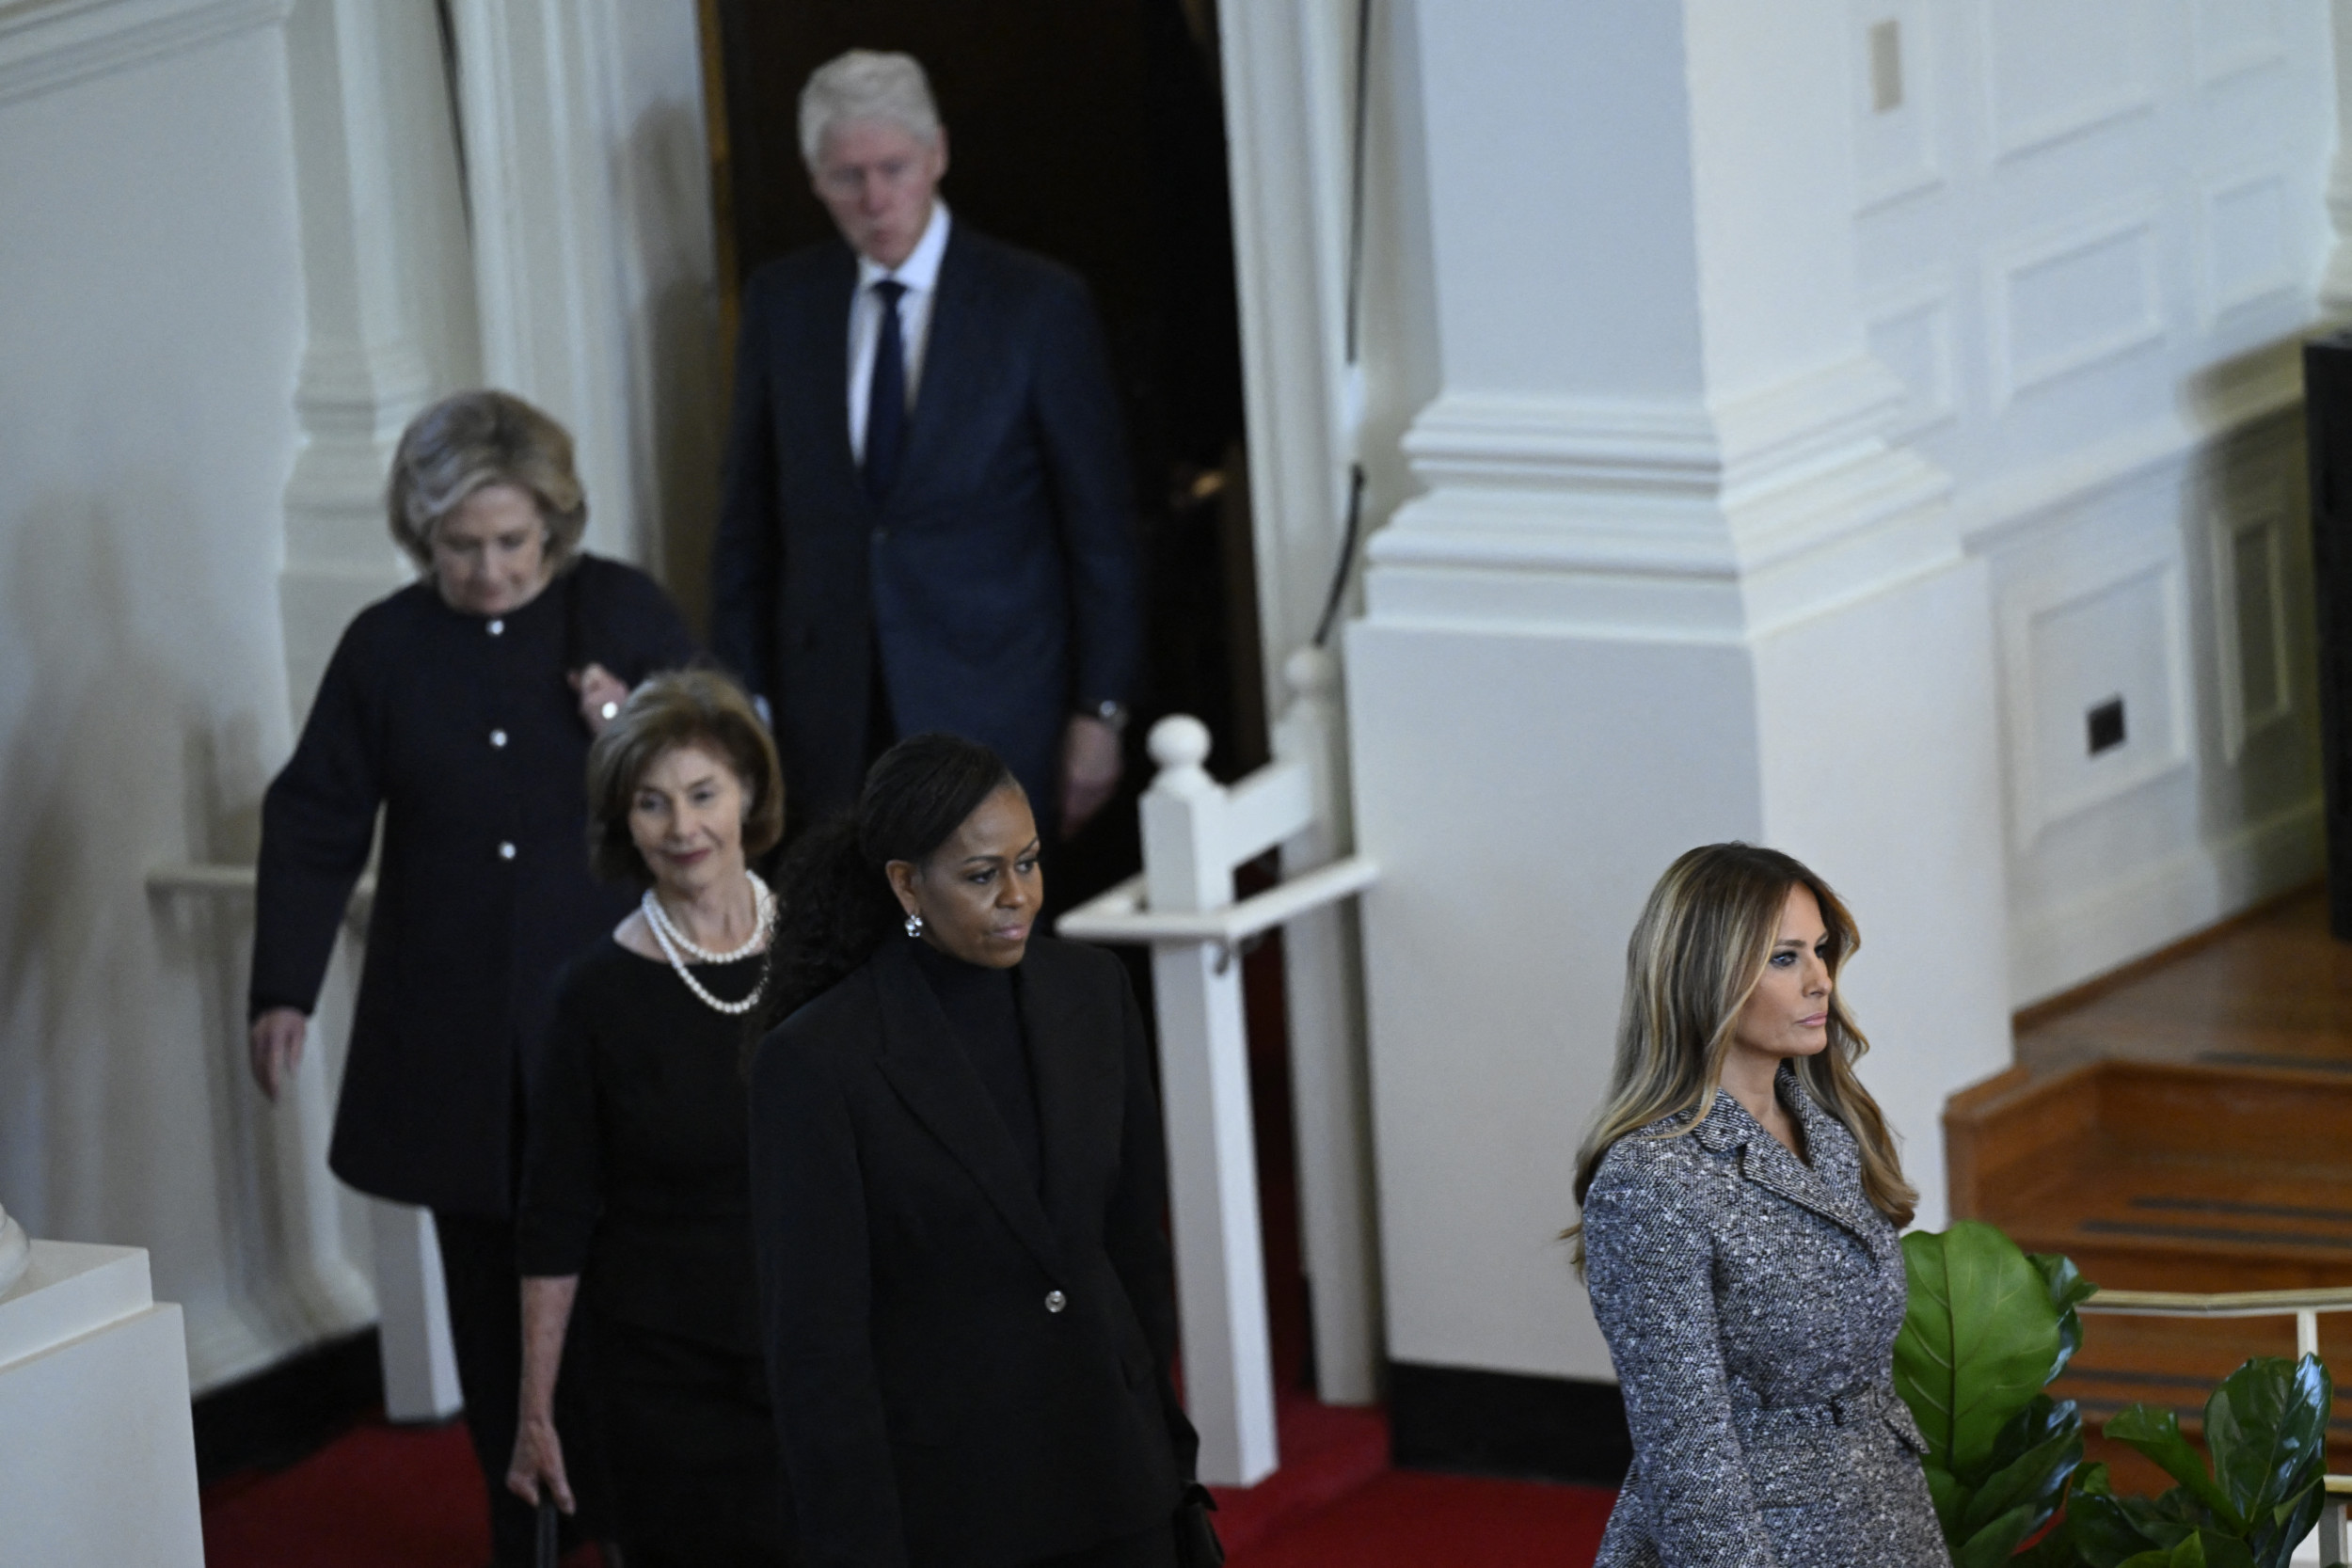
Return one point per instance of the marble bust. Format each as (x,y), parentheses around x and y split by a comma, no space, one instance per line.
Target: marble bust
(15,1252)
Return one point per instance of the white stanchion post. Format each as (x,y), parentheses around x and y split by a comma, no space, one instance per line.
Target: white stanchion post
(419,1359)
(1204,1088)
(1329,1098)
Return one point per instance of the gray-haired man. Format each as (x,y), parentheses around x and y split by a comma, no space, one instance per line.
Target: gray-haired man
(927,520)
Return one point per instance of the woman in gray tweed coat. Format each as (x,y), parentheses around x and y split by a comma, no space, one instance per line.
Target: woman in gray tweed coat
(1741,1203)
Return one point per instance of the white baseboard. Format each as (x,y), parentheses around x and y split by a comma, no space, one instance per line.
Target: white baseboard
(2052,952)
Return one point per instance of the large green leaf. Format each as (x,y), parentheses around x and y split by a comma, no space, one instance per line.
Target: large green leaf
(2267,1428)
(1978,1339)
(2034,1480)
(1996,1542)
(2068,1290)
(2103,1530)
(2200,1549)
(2157,1433)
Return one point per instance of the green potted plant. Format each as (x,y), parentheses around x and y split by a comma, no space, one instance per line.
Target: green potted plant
(2267,1430)
(1986,1329)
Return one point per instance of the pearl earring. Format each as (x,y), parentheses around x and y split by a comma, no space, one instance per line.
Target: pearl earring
(914,925)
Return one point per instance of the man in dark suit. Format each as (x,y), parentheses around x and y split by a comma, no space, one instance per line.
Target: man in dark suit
(928,518)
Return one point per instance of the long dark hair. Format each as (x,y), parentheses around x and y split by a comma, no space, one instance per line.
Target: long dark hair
(837,903)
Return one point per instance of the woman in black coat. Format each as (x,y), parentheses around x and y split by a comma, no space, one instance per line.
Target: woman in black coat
(956,1184)
(460,708)
(634,1185)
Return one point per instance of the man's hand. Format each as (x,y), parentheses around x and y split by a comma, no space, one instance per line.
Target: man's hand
(600,688)
(1090,765)
(276,1046)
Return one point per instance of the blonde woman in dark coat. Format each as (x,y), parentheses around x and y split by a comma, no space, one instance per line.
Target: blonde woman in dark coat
(1742,1209)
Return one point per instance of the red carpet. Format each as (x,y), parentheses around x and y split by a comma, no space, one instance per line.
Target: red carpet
(1407,1519)
(382,1496)
(378,1496)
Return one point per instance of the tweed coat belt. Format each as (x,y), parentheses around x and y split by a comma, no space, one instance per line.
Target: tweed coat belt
(1750,1300)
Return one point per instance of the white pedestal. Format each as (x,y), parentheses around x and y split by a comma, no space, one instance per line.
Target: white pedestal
(97,1452)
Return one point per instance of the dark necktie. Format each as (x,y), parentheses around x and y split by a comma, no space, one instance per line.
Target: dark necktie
(886,397)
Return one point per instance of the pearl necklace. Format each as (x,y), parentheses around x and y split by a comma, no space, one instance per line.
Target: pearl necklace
(669,939)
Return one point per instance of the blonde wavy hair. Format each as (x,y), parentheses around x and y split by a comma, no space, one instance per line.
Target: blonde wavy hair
(1695,958)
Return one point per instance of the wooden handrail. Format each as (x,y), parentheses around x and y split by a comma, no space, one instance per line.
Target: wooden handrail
(2221,1304)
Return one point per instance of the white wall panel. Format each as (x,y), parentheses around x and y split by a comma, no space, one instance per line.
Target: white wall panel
(1911,336)
(2064,302)
(2057,69)
(2130,229)
(2233,37)
(2246,245)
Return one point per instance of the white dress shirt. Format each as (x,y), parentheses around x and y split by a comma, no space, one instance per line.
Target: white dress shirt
(919,272)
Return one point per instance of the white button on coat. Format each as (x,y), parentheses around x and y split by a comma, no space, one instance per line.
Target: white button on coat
(506,851)
(1055,1301)
(498,738)
(498,628)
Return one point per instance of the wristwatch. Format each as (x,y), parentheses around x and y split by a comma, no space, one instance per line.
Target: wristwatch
(1111,713)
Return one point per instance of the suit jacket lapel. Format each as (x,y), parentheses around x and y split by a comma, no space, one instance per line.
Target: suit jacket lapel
(1076,1068)
(827,373)
(925,1063)
(950,344)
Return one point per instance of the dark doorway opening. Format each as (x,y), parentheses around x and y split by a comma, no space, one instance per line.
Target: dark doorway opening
(1090,131)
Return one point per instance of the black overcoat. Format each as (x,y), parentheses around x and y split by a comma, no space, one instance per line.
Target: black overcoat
(998,578)
(966,1373)
(462,729)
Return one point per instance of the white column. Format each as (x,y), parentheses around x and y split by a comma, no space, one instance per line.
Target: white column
(594,254)
(1667,583)
(389,320)
(366,365)
(1323,985)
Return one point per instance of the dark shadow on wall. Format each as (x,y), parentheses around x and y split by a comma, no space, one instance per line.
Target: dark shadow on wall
(116,1013)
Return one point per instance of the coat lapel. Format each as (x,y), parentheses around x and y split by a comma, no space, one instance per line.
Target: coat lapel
(1076,1066)
(1765,1160)
(827,373)
(950,345)
(926,1066)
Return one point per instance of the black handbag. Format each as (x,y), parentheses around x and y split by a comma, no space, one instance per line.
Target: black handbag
(1197,1545)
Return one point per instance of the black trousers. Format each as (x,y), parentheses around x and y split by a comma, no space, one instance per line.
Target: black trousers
(486,1329)
(1153,1548)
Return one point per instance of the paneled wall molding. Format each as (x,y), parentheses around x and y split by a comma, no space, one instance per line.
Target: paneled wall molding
(2027,350)
(2222,58)
(2053,949)
(2085,104)
(2335,289)
(1678,521)
(2153,568)
(2240,211)
(2260,393)
(1911,331)
(2246,532)
(45,44)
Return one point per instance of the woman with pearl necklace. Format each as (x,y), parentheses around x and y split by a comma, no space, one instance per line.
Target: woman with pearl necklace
(635,1182)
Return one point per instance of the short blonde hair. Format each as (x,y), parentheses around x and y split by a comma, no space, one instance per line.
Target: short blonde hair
(866,83)
(472,441)
(1696,956)
(684,707)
